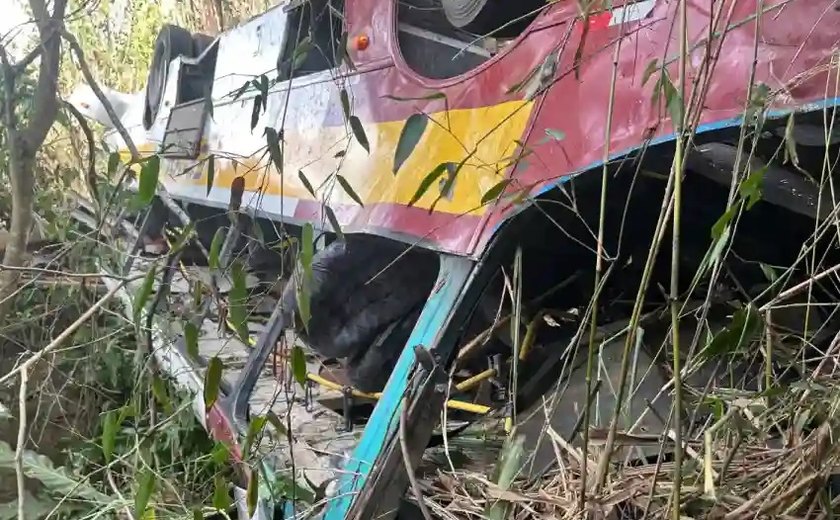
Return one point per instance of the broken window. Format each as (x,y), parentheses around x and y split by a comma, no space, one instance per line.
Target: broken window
(313,38)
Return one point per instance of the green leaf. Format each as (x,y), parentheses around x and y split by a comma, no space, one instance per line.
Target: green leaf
(109,434)
(288,488)
(143,293)
(651,67)
(427,182)
(307,184)
(244,88)
(349,189)
(211,172)
(359,132)
(197,514)
(510,465)
(719,244)
(221,499)
(750,188)
(746,323)
(253,492)
(149,173)
(452,173)
(272,139)
(255,111)
(411,133)
(769,272)
(183,237)
(34,508)
(257,231)
(304,287)
(160,393)
(277,423)
(145,488)
(212,380)
(299,365)
(216,248)
(495,191)
(673,101)
(255,429)
(220,453)
(334,222)
(126,411)
(113,163)
(301,52)
(264,90)
(345,103)
(191,339)
(56,480)
(237,301)
(723,221)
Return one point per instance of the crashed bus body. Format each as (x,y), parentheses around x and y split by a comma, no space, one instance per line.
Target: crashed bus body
(397,124)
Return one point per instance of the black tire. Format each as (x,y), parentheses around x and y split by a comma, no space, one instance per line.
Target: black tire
(201,42)
(370,369)
(172,41)
(485,16)
(354,298)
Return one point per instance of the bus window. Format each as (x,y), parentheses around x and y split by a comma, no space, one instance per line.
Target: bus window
(436,39)
(313,38)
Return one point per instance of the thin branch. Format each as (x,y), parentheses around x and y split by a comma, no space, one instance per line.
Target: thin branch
(20,66)
(91,169)
(21,442)
(110,476)
(68,331)
(109,109)
(55,272)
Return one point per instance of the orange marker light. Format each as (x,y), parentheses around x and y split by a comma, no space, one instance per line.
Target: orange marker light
(361,42)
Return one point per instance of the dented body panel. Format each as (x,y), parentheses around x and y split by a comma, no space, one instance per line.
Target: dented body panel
(533,105)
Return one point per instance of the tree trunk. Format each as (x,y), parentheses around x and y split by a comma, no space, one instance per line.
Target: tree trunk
(22,181)
(25,143)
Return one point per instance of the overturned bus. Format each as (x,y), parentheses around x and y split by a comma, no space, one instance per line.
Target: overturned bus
(455,174)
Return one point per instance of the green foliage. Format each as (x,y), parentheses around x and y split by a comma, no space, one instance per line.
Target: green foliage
(118,44)
(55,479)
(237,301)
(509,467)
(305,283)
(410,135)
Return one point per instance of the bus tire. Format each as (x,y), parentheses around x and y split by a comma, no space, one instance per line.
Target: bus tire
(354,298)
(370,369)
(201,42)
(172,41)
(484,16)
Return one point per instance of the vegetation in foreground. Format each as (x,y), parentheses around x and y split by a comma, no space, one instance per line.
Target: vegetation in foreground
(95,431)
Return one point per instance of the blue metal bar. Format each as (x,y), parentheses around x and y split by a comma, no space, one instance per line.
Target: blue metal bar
(451,283)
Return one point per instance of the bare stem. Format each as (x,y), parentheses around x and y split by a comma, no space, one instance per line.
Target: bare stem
(21,443)
(677,169)
(599,269)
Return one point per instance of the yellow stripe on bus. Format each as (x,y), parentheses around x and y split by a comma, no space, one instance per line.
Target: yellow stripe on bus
(484,138)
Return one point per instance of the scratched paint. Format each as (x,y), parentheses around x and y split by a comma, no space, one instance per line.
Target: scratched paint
(485,114)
